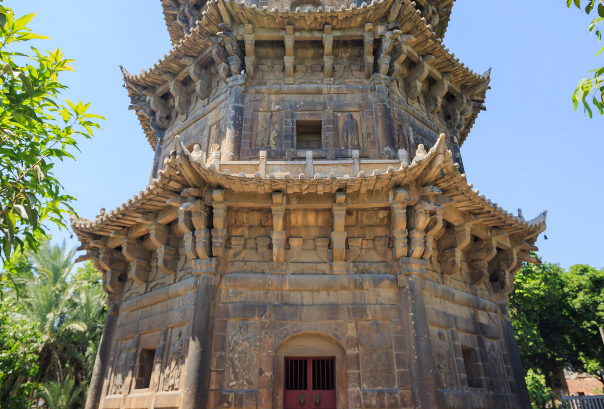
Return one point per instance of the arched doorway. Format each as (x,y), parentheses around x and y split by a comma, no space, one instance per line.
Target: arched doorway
(310,373)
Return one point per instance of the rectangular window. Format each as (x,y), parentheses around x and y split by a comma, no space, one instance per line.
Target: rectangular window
(296,374)
(308,134)
(472,367)
(145,368)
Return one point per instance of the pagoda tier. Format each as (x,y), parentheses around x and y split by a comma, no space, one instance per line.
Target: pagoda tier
(430,90)
(181,16)
(202,252)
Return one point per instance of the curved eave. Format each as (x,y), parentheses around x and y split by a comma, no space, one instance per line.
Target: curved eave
(437,169)
(445,17)
(168,7)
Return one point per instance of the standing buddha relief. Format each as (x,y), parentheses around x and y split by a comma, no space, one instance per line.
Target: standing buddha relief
(350,133)
(267,135)
(216,134)
(243,359)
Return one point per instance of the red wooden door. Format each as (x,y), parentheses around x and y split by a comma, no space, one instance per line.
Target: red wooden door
(310,383)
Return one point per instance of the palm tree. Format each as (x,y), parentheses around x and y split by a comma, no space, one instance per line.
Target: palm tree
(59,395)
(68,310)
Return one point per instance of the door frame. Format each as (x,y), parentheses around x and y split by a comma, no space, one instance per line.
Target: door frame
(309,345)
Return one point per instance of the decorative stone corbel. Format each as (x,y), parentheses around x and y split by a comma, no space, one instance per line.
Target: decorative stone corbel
(436,94)
(418,219)
(479,256)
(368,38)
(197,243)
(161,109)
(114,268)
(232,48)
(385,49)
(503,266)
(182,100)
(401,51)
(133,249)
(159,235)
(399,223)
(416,77)
(201,79)
(338,235)
(288,59)
(219,232)
(328,53)
(139,271)
(295,244)
(165,259)
(250,52)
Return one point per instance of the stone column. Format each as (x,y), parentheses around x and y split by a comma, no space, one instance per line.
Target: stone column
(102,357)
(232,141)
(197,375)
(383,120)
(519,386)
(421,363)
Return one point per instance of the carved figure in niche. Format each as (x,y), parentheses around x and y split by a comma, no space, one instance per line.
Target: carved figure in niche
(242,357)
(196,153)
(420,154)
(444,370)
(267,134)
(172,378)
(215,135)
(350,132)
(118,378)
(404,137)
(494,363)
(376,350)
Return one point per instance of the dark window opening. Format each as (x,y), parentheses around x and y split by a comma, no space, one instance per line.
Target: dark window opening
(308,135)
(145,368)
(472,367)
(296,374)
(580,393)
(323,375)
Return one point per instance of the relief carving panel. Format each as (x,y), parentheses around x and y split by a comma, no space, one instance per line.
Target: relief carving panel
(350,130)
(243,342)
(267,130)
(174,362)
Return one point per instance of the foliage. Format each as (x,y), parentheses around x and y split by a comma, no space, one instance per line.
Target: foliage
(556,315)
(541,396)
(590,90)
(66,311)
(18,358)
(37,128)
(58,395)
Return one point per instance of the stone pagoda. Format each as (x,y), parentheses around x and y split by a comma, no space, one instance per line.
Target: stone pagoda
(307,239)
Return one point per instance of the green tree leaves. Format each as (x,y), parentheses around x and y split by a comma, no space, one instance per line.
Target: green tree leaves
(37,128)
(51,320)
(590,90)
(556,316)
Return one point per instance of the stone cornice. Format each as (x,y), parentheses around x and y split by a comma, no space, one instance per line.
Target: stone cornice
(437,169)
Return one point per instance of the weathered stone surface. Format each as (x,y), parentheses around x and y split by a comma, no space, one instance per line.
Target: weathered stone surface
(307,203)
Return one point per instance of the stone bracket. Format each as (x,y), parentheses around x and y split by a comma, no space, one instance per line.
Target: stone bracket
(139,271)
(165,259)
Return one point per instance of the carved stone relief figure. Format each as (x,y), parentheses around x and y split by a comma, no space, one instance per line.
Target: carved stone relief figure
(267,135)
(197,154)
(376,357)
(350,133)
(172,377)
(445,375)
(215,136)
(420,154)
(120,368)
(243,346)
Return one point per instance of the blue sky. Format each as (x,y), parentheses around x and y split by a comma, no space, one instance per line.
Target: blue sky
(529,150)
